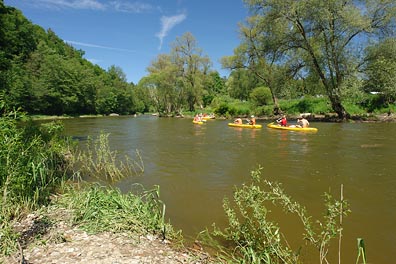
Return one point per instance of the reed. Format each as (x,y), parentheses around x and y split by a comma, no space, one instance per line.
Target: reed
(250,237)
(361,251)
(98,161)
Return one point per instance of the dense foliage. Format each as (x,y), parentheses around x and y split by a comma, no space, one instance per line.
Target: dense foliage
(284,42)
(44,75)
(341,50)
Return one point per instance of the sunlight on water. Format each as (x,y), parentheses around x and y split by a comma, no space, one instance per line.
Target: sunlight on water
(196,166)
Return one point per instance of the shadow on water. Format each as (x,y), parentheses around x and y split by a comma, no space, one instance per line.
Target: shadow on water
(196,166)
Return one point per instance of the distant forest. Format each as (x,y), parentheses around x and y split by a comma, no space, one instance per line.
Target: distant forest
(41,74)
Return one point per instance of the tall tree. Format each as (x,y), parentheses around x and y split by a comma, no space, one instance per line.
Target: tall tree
(381,69)
(193,67)
(241,82)
(315,36)
(176,80)
(163,86)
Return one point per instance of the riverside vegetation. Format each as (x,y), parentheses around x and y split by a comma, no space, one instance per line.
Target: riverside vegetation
(291,59)
(42,172)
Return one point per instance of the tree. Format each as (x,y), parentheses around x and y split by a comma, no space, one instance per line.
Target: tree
(165,90)
(214,86)
(260,96)
(381,69)
(241,82)
(176,80)
(313,36)
(192,68)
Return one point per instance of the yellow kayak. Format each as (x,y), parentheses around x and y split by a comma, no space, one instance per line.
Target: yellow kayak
(198,122)
(305,129)
(244,125)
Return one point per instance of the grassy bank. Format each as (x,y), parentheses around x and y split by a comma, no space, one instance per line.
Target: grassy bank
(40,169)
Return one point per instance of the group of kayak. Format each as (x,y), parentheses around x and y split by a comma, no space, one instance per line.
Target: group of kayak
(301,125)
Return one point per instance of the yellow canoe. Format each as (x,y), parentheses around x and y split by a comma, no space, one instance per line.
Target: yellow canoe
(306,129)
(244,125)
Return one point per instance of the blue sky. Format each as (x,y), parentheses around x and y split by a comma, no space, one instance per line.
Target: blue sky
(131,33)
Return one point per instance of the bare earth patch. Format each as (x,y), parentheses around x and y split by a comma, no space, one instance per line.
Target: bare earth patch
(62,243)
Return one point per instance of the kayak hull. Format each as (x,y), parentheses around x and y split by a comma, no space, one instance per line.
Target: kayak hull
(301,129)
(198,122)
(244,125)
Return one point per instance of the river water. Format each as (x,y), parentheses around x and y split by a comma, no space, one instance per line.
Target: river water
(196,166)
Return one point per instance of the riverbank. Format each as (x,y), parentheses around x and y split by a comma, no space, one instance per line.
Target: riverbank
(329,117)
(47,236)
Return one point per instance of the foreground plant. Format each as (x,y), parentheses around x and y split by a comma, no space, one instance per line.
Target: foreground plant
(33,164)
(98,161)
(253,238)
(96,209)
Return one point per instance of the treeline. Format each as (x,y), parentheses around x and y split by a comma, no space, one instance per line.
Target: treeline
(339,57)
(42,74)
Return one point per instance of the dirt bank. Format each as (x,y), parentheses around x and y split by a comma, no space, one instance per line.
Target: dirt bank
(50,238)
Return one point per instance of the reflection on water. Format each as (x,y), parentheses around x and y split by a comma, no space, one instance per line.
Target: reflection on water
(196,166)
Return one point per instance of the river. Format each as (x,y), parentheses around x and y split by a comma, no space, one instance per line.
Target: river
(196,166)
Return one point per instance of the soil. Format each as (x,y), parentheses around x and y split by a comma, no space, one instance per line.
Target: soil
(51,239)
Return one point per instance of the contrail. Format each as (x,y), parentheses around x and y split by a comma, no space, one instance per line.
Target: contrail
(96,46)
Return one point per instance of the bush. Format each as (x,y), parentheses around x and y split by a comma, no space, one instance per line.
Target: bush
(32,162)
(252,238)
(375,103)
(314,105)
(261,96)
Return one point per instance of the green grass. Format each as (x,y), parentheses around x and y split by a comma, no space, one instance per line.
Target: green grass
(36,163)
(97,209)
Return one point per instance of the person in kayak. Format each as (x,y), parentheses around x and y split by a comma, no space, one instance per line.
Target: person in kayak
(197,118)
(252,120)
(302,122)
(238,121)
(282,121)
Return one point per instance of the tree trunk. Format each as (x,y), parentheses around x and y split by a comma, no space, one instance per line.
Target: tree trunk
(338,107)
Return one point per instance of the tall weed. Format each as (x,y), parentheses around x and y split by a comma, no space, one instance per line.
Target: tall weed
(96,209)
(98,161)
(252,238)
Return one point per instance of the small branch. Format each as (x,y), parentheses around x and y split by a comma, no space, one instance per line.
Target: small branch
(341,212)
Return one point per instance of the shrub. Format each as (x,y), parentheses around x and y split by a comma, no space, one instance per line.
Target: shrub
(252,238)
(315,105)
(32,161)
(261,96)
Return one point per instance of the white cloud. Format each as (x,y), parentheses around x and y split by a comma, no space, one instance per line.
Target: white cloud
(75,4)
(167,23)
(135,7)
(95,46)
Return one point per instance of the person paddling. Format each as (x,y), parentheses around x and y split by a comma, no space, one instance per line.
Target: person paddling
(282,121)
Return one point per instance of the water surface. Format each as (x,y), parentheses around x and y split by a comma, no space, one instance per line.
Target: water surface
(196,166)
